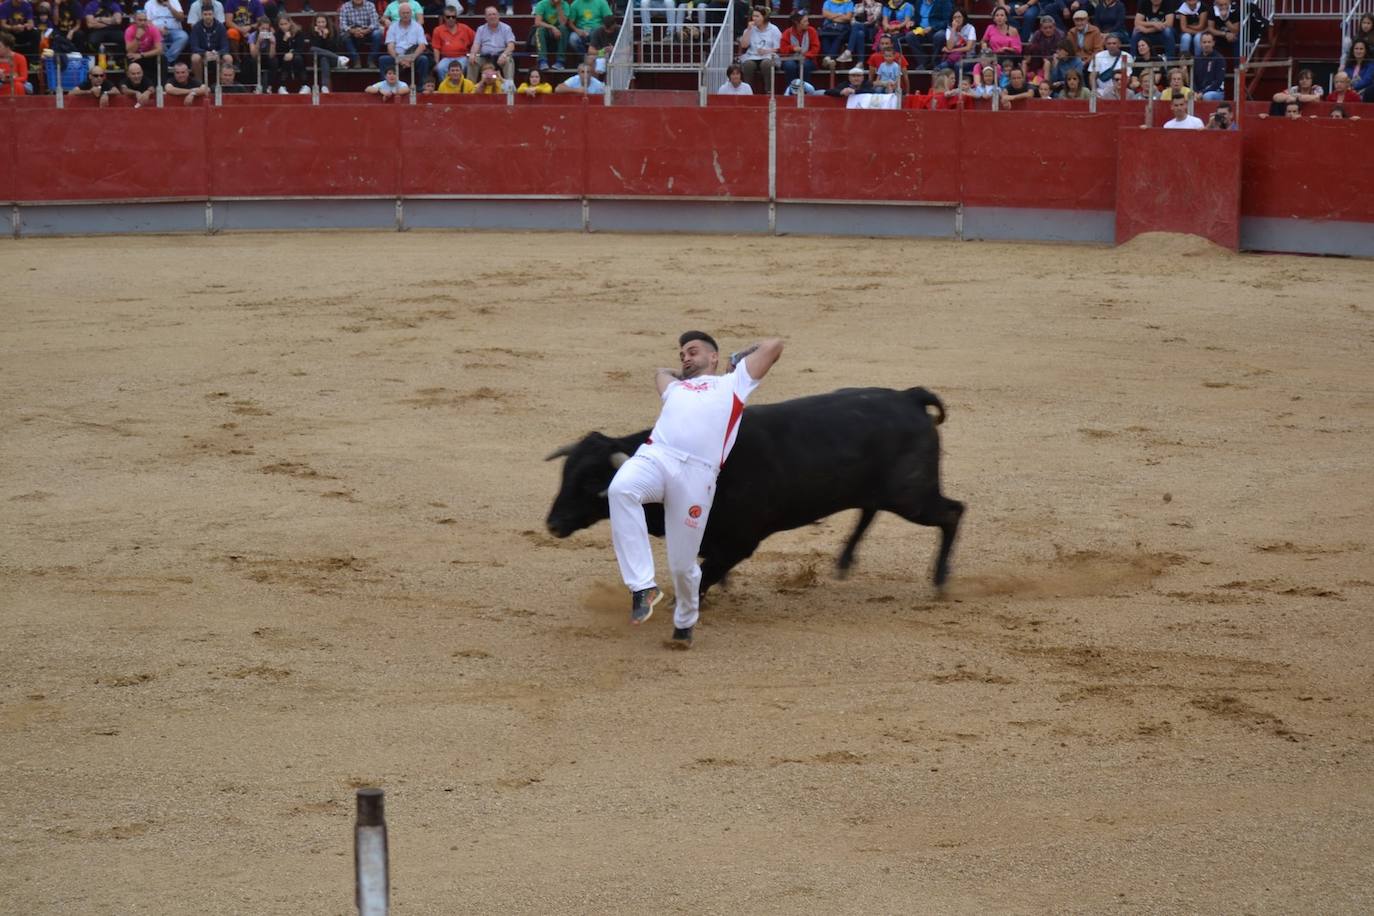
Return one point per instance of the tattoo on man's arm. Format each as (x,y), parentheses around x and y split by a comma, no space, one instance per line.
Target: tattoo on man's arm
(738,357)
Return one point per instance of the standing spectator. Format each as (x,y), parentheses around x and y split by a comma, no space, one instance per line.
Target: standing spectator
(931,21)
(243,17)
(209,43)
(142,40)
(837,23)
(1181,119)
(97,85)
(169,19)
(104,25)
(491,83)
(551,27)
(1305,91)
(137,85)
(1039,51)
(262,47)
(1209,70)
(1155,24)
(389,87)
(325,47)
(1000,38)
(734,82)
(1176,88)
(455,82)
(584,18)
(17,20)
(14,69)
(1341,93)
(534,85)
(582,82)
(293,48)
(959,42)
(494,42)
(182,84)
(1223,24)
(1106,65)
(1087,38)
(1361,70)
(452,43)
(1192,25)
(858,84)
(1110,18)
(405,46)
(360,30)
(759,44)
(1073,87)
(799,49)
(1222,118)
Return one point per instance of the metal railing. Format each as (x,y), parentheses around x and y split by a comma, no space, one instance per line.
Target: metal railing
(719,59)
(677,40)
(620,66)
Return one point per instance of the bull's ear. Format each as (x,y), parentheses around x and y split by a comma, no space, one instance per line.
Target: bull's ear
(562,451)
(619,458)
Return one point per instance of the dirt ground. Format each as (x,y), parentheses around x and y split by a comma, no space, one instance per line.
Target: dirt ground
(272,511)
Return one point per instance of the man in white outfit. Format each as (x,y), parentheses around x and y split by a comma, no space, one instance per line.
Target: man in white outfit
(677,466)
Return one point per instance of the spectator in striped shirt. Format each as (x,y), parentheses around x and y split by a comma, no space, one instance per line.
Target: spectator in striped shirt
(360,29)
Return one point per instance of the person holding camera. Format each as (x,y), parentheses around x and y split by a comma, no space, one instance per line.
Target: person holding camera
(1223,118)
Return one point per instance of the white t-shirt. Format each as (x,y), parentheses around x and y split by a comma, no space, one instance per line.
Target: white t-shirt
(386,88)
(701,415)
(160,14)
(742,89)
(1188,123)
(763,42)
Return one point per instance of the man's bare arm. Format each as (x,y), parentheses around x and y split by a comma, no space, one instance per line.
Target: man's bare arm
(762,356)
(665,377)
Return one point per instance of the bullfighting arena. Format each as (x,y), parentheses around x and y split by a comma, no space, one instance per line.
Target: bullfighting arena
(273,513)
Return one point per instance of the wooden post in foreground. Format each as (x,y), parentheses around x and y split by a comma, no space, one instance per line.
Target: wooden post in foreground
(370,855)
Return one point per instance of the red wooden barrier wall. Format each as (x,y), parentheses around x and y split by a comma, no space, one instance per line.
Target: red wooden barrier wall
(1179,181)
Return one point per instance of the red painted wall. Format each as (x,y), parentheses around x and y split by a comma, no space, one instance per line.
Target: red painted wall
(1179,181)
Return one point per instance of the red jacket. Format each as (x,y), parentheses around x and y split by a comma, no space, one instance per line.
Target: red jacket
(792,44)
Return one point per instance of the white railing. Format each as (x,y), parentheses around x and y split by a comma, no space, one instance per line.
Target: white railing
(722,53)
(1351,24)
(620,68)
(677,40)
(1308,9)
(1249,34)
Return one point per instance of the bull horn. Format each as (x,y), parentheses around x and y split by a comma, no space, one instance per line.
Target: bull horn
(619,458)
(562,451)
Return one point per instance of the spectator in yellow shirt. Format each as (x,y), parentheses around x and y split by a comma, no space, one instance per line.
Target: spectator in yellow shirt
(491,84)
(535,86)
(456,83)
(1176,89)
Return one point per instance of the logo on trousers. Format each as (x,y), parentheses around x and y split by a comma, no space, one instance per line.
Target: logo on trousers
(693,514)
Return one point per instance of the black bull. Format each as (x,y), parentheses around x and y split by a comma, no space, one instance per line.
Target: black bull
(793,463)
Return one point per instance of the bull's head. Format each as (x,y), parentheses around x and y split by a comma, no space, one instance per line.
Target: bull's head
(587,472)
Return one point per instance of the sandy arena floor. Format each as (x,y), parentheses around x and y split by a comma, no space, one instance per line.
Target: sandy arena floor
(272,513)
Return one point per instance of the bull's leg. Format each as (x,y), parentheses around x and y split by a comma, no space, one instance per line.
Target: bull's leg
(938,512)
(716,566)
(847,555)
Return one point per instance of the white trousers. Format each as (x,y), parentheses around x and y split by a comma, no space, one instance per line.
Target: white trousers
(685,485)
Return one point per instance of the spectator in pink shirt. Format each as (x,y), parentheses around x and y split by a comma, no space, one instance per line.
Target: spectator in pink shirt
(1000,38)
(142,39)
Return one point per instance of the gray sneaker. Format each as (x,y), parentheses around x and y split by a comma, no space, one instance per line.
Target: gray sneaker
(644,600)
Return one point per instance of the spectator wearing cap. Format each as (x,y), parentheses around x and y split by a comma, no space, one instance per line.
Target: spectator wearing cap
(494,43)
(800,48)
(1039,51)
(734,82)
(360,30)
(182,84)
(17,20)
(209,43)
(1209,70)
(389,87)
(406,45)
(1087,38)
(582,82)
(801,86)
(452,43)
(104,25)
(98,86)
(169,18)
(858,84)
(137,85)
(142,39)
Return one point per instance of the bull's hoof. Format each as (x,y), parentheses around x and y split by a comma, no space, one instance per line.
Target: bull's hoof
(842,567)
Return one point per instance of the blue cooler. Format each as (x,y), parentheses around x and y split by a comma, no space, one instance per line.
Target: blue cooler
(72,75)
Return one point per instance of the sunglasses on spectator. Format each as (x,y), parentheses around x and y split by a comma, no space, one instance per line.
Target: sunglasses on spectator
(450,17)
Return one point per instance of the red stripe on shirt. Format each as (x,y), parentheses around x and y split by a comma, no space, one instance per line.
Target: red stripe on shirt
(736,410)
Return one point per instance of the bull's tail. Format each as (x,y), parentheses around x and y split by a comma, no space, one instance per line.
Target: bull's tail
(928,399)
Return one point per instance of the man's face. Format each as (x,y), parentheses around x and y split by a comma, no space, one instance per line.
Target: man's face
(1208,43)
(1113,43)
(1047,28)
(1176,80)
(1080,22)
(698,358)
(583,73)
(141,19)
(207,16)
(1224,115)
(736,77)
(180,72)
(405,13)
(1293,112)
(1180,109)
(97,77)
(493,18)
(135,71)
(391,76)
(227,73)
(856,79)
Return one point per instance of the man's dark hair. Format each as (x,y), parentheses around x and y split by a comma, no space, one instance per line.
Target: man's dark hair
(689,336)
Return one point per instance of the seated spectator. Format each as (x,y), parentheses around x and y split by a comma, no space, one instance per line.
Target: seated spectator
(193,12)
(837,24)
(936,99)
(958,44)
(986,81)
(1154,23)
(1305,91)
(1106,64)
(858,84)
(360,30)
(242,18)
(584,18)
(1176,88)
(68,33)
(1043,90)
(166,15)
(1364,31)
(550,30)
(491,82)
(138,86)
(899,17)
(1017,89)
(889,76)
(1065,61)
(1223,118)
(17,20)
(1181,119)
(931,22)
(672,19)
(183,85)
(392,13)
(209,42)
(800,48)
(493,43)
(885,44)
(1342,93)
(1338,112)
(389,87)
(262,48)
(1209,70)
(406,46)
(452,43)
(1192,25)
(325,46)
(142,40)
(1292,111)
(759,47)
(582,82)
(734,82)
(430,87)
(1109,17)
(602,41)
(1361,69)
(1087,38)
(293,48)
(1039,51)
(868,19)
(534,85)
(229,77)
(1000,38)
(455,82)
(1073,87)
(802,86)
(99,86)
(105,27)
(1223,24)
(1149,66)
(1026,16)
